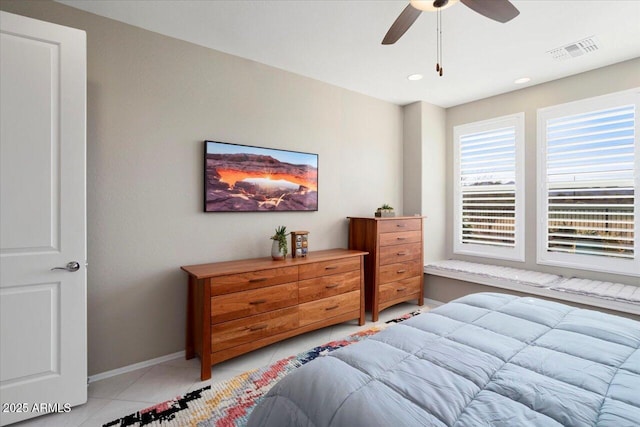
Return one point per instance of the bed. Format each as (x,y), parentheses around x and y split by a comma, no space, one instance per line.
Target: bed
(482,360)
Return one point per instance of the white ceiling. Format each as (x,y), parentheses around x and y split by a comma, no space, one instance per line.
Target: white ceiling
(338,41)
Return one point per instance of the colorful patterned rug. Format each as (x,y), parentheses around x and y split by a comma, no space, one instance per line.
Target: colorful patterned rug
(229,403)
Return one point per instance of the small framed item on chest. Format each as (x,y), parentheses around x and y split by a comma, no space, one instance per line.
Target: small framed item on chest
(299,244)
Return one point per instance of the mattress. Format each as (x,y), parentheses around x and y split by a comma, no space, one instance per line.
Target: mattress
(482,360)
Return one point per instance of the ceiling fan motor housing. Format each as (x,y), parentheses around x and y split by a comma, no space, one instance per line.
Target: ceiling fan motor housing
(432,5)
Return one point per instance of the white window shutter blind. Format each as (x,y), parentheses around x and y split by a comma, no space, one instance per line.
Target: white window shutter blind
(590,161)
(487,180)
(489,188)
(588,183)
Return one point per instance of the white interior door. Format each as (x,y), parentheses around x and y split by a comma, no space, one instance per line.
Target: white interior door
(43,339)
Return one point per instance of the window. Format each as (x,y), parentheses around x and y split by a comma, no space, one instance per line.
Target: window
(489,188)
(588,180)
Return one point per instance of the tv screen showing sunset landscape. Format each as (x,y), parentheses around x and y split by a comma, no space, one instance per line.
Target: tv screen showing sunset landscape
(242,178)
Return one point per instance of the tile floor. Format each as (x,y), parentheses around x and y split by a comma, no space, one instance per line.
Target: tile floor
(121,395)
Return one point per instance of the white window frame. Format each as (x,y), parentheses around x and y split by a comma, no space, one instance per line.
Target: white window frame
(584,261)
(517,252)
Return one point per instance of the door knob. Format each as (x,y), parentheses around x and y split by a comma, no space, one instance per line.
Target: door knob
(71,266)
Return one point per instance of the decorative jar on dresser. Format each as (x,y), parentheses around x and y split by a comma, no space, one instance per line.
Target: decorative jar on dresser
(235,307)
(393,269)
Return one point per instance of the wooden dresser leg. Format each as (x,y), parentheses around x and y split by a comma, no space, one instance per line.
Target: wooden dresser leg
(362,319)
(205,357)
(191,294)
(205,367)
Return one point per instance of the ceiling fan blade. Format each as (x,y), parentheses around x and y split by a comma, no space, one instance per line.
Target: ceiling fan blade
(498,10)
(401,24)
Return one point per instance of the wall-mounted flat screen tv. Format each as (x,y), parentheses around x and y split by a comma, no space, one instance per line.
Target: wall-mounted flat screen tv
(243,178)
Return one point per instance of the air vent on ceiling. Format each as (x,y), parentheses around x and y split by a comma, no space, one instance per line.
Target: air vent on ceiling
(579,48)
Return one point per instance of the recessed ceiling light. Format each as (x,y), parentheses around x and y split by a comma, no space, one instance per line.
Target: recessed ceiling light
(522,80)
(414,77)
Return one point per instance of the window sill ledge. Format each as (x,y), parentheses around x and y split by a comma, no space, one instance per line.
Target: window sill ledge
(545,285)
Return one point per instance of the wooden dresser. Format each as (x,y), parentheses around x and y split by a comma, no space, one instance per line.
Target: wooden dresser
(394,267)
(238,306)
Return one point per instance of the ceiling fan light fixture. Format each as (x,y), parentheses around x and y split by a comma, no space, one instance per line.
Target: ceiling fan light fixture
(431,5)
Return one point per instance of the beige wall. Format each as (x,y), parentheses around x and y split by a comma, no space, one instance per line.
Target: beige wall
(434,176)
(621,76)
(152,100)
(412,158)
(424,171)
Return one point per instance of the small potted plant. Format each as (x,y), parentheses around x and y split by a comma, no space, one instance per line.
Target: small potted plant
(385,211)
(279,247)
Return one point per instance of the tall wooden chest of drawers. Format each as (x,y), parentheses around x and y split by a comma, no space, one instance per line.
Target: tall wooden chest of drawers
(238,306)
(394,267)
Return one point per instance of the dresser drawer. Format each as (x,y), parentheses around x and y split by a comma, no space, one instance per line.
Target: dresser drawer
(255,301)
(241,331)
(316,311)
(400,238)
(393,225)
(398,271)
(395,247)
(326,286)
(252,279)
(399,289)
(317,269)
(400,253)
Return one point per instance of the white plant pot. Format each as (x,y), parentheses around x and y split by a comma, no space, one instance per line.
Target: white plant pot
(275,251)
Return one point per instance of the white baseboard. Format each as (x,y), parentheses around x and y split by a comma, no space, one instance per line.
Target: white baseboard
(432,302)
(135,366)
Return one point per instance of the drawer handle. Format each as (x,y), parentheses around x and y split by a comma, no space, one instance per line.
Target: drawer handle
(401,271)
(258,301)
(335,285)
(402,238)
(333,307)
(401,225)
(257,327)
(401,289)
(257,279)
(331,267)
(401,253)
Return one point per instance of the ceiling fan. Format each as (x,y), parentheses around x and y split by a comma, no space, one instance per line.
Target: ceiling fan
(498,10)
